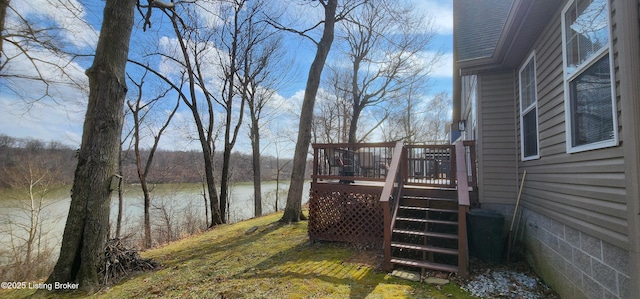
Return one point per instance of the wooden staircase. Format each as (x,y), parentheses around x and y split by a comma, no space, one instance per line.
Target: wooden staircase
(425,229)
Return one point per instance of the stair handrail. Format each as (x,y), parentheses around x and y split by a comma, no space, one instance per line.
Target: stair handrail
(395,177)
(462,179)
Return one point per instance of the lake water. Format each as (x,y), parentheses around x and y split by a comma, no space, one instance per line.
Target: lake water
(172,204)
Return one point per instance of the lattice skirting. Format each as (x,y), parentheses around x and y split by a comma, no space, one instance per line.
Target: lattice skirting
(346,213)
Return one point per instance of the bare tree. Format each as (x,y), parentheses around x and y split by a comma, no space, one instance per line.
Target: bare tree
(331,15)
(236,39)
(165,212)
(407,120)
(86,230)
(232,49)
(32,178)
(260,75)
(437,117)
(121,179)
(384,40)
(280,165)
(195,46)
(420,118)
(205,125)
(333,114)
(140,110)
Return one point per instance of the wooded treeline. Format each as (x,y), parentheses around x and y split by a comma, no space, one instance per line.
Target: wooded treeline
(168,166)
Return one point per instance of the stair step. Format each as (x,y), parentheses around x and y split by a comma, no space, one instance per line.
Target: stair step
(417,197)
(427,248)
(428,209)
(425,234)
(426,265)
(427,220)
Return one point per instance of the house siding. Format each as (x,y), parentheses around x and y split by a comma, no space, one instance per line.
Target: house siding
(584,190)
(497,157)
(579,221)
(628,63)
(574,205)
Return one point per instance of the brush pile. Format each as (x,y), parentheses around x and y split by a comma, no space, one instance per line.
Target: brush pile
(120,261)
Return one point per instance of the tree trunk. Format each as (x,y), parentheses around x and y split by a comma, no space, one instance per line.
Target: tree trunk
(214,202)
(147,212)
(224,183)
(255,146)
(356,97)
(293,208)
(353,124)
(142,176)
(206,203)
(120,195)
(87,226)
(231,135)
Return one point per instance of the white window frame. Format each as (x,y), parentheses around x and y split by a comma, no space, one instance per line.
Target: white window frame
(525,110)
(577,71)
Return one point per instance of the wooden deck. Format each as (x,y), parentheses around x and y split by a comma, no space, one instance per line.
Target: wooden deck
(403,198)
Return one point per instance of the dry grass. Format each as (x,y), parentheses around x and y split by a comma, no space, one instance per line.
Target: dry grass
(274,261)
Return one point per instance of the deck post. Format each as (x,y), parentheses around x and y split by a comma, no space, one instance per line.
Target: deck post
(386,264)
(316,164)
(463,207)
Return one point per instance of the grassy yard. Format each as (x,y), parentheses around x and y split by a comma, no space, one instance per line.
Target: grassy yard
(272,261)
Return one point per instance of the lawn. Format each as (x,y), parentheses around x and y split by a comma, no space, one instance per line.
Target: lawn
(261,258)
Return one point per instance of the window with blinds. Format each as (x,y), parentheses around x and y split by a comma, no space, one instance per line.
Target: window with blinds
(589,95)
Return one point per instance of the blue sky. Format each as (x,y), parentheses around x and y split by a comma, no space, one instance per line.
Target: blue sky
(60,117)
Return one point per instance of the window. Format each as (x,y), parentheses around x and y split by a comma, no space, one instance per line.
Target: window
(589,96)
(529,110)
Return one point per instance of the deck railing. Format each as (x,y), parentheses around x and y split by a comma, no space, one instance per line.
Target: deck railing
(347,162)
(390,198)
(426,165)
(431,165)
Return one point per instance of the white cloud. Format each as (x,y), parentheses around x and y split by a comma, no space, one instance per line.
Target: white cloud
(42,120)
(209,13)
(441,12)
(67,14)
(27,112)
(443,67)
(290,105)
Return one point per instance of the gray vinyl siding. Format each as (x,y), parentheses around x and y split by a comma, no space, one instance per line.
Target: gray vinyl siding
(584,190)
(497,158)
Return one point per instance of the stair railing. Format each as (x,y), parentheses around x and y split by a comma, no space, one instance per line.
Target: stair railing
(390,198)
(463,207)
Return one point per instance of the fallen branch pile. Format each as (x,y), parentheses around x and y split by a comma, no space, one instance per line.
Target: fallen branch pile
(120,261)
